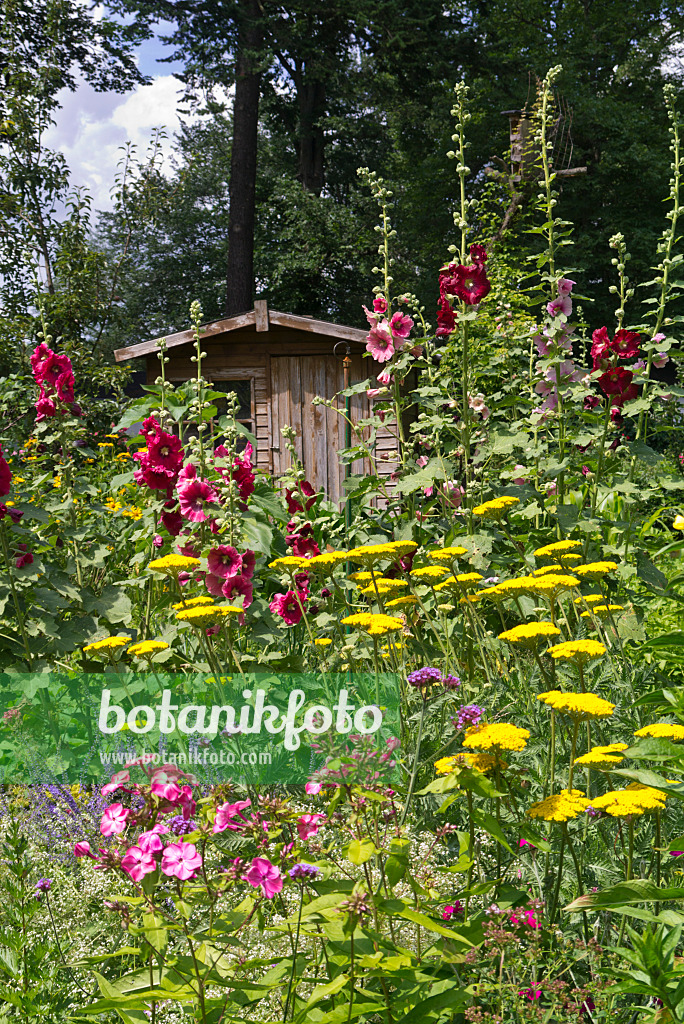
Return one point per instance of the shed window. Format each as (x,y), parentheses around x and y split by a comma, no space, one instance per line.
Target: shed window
(245,410)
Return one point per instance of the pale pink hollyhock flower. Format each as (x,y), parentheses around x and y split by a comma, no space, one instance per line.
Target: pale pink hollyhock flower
(384,377)
(657,338)
(137,862)
(453,493)
(519,479)
(478,406)
(641,365)
(660,359)
(82,849)
(401,325)
(313,788)
(114,820)
(262,873)
(422,460)
(117,780)
(227,812)
(309,824)
(181,860)
(565,286)
(379,342)
(370,316)
(560,306)
(551,487)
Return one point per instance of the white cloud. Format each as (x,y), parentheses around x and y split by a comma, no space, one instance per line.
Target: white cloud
(91,127)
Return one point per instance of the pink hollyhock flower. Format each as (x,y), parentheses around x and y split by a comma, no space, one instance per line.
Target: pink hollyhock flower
(380,304)
(224,561)
(114,820)
(543,344)
(660,359)
(470,284)
(240,585)
(477,404)
(171,518)
(401,325)
(313,788)
(214,584)
(422,460)
(600,350)
(677,853)
(138,862)
(181,860)
(478,254)
(371,317)
(187,473)
(565,286)
(626,344)
(45,407)
(288,607)
(5,475)
(293,498)
(5,510)
(453,493)
(262,873)
(25,558)
(446,318)
(82,849)
(64,386)
(562,306)
(248,563)
(379,342)
(617,383)
(227,812)
(309,824)
(194,496)
(374,392)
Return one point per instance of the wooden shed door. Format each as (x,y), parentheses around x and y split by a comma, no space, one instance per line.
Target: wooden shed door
(295,381)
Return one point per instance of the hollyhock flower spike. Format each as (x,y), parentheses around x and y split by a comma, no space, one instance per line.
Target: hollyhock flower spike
(181,860)
(243,473)
(262,873)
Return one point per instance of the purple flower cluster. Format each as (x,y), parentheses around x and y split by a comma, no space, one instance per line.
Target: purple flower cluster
(179,826)
(303,872)
(42,885)
(429,675)
(468,715)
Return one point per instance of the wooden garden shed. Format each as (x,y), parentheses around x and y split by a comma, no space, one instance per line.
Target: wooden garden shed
(277,363)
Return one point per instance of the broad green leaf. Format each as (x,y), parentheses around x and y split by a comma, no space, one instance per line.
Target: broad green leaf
(360,851)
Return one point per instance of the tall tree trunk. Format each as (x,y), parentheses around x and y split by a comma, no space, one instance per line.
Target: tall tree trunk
(240,266)
(311,98)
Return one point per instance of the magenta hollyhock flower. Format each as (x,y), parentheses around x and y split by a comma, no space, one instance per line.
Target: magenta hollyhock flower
(470,284)
(194,495)
(5,475)
(243,473)
(380,304)
(138,862)
(225,814)
(626,344)
(293,497)
(446,318)
(224,561)
(5,510)
(248,563)
(600,350)
(309,824)
(304,544)
(214,584)
(45,407)
(165,453)
(380,343)
(677,853)
(181,860)
(262,873)
(590,402)
(401,325)
(114,820)
(240,586)
(288,607)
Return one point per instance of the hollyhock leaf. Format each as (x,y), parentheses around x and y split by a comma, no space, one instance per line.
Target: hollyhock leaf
(650,573)
(114,604)
(270,504)
(258,536)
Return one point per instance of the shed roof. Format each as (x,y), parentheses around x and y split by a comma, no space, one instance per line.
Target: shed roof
(261,318)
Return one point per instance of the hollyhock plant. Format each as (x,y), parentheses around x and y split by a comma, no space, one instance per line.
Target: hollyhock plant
(54,375)
(224,561)
(138,862)
(380,343)
(194,495)
(288,606)
(262,873)
(5,475)
(181,860)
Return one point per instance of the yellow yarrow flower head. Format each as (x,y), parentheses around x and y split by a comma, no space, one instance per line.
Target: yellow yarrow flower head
(374,624)
(494,593)
(322,641)
(518,585)
(446,765)
(429,572)
(360,577)
(554,567)
(293,563)
(496,736)
(626,803)
(594,570)
(553,550)
(485,763)
(385,583)
(192,602)
(464,581)
(563,806)
(326,562)
(602,611)
(146,648)
(678,523)
(207,615)
(497,508)
(552,584)
(446,554)
(590,599)
(594,759)
(529,634)
(369,554)
(171,565)
(402,602)
(580,651)
(110,643)
(610,748)
(582,706)
(662,731)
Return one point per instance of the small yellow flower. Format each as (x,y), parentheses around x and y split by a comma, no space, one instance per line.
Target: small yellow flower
(171,565)
(110,643)
(497,508)
(292,562)
(374,624)
(430,572)
(208,614)
(192,602)
(497,735)
(322,641)
(662,731)
(446,554)
(146,648)
(594,570)
(580,651)
(446,765)
(105,444)
(559,545)
(530,634)
(582,706)
(602,611)
(678,523)
(559,806)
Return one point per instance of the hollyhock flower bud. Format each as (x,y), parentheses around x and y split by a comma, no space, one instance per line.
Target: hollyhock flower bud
(384,377)
(660,360)
(158,541)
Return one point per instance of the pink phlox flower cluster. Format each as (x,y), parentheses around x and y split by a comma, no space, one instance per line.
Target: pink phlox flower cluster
(262,873)
(229,816)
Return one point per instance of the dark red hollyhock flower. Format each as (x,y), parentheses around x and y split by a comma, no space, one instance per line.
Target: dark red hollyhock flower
(24,557)
(616,416)
(446,319)
(171,518)
(14,514)
(165,452)
(618,384)
(626,344)
(600,350)
(5,475)
(471,284)
(293,498)
(478,255)
(304,544)
(590,402)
